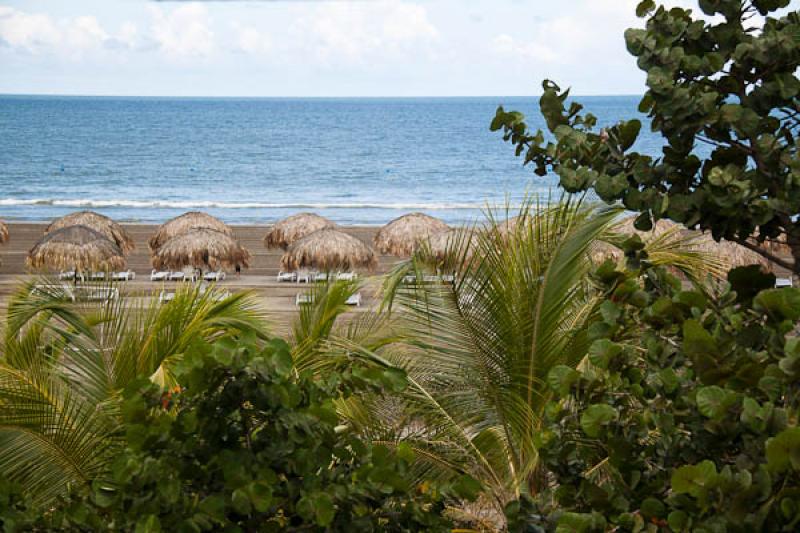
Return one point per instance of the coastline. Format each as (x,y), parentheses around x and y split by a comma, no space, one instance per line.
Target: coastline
(275,299)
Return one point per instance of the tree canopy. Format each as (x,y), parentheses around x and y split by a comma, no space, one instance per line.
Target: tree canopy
(726,80)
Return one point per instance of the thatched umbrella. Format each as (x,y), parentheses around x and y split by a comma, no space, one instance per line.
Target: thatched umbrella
(201,248)
(184,223)
(453,240)
(294,228)
(329,249)
(400,236)
(78,247)
(3,232)
(100,223)
(731,253)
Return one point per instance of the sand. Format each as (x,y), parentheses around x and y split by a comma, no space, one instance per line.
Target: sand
(277,300)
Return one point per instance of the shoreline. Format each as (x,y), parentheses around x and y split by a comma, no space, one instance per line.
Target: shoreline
(266,262)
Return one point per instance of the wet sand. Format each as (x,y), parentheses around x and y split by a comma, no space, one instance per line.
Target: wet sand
(277,299)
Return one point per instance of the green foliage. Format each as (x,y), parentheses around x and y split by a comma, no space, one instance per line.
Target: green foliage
(728,82)
(248,445)
(64,365)
(683,416)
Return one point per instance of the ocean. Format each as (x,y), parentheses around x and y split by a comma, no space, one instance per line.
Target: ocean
(354,160)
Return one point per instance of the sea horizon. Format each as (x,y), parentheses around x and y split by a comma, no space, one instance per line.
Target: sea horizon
(254,160)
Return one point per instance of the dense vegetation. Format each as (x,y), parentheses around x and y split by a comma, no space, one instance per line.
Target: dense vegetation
(727,82)
(573,377)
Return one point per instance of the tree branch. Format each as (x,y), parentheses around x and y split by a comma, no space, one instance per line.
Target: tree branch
(768,255)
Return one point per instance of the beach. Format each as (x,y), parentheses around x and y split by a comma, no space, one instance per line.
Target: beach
(277,300)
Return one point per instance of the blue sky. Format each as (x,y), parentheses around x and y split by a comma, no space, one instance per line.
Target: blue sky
(316,48)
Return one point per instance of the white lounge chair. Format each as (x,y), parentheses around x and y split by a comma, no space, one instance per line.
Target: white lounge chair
(62,291)
(96,294)
(70,275)
(321,276)
(156,275)
(305,277)
(214,276)
(97,276)
(354,299)
(346,276)
(287,276)
(303,298)
(409,279)
(165,296)
(177,276)
(127,275)
(782,283)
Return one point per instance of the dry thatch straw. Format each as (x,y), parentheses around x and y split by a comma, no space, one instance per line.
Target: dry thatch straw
(294,228)
(100,223)
(3,232)
(329,249)
(453,241)
(730,253)
(201,248)
(75,247)
(184,223)
(400,236)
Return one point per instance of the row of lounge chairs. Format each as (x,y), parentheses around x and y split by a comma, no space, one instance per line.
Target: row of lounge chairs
(130,275)
(308,277)
(75,293)
(180,275)
(126,275)
(305,298)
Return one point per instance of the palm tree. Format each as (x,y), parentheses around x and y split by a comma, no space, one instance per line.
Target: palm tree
(64,365)
(478,351)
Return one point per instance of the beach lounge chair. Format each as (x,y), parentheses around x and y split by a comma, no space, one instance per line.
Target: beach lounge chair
(346,276)
(355,300)
(303,298)
(305,277)
(177,276)
(96,294)
(62,291)
(409,279)
(782,283)
(159,276)
(321,276)
(214,276)
(70,275)
(165,296)
(127,275)
(97,276)
(287,276)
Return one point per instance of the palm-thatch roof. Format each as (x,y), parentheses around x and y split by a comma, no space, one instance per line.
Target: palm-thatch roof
(201,248)
(3,232)
(294,228)
(78,247)
(441,244)
(401,236)
(184,223)
(730,253)
(329,249)
(100,223)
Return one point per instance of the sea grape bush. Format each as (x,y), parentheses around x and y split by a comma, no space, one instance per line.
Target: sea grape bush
(248,445)
(726,81)
(684,416)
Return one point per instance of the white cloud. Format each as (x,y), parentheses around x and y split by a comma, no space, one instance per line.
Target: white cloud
(506,45)
(251,41)
(30,32)
(182,31)
(357,32)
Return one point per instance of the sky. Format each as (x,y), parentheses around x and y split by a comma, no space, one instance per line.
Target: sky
(316,47)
